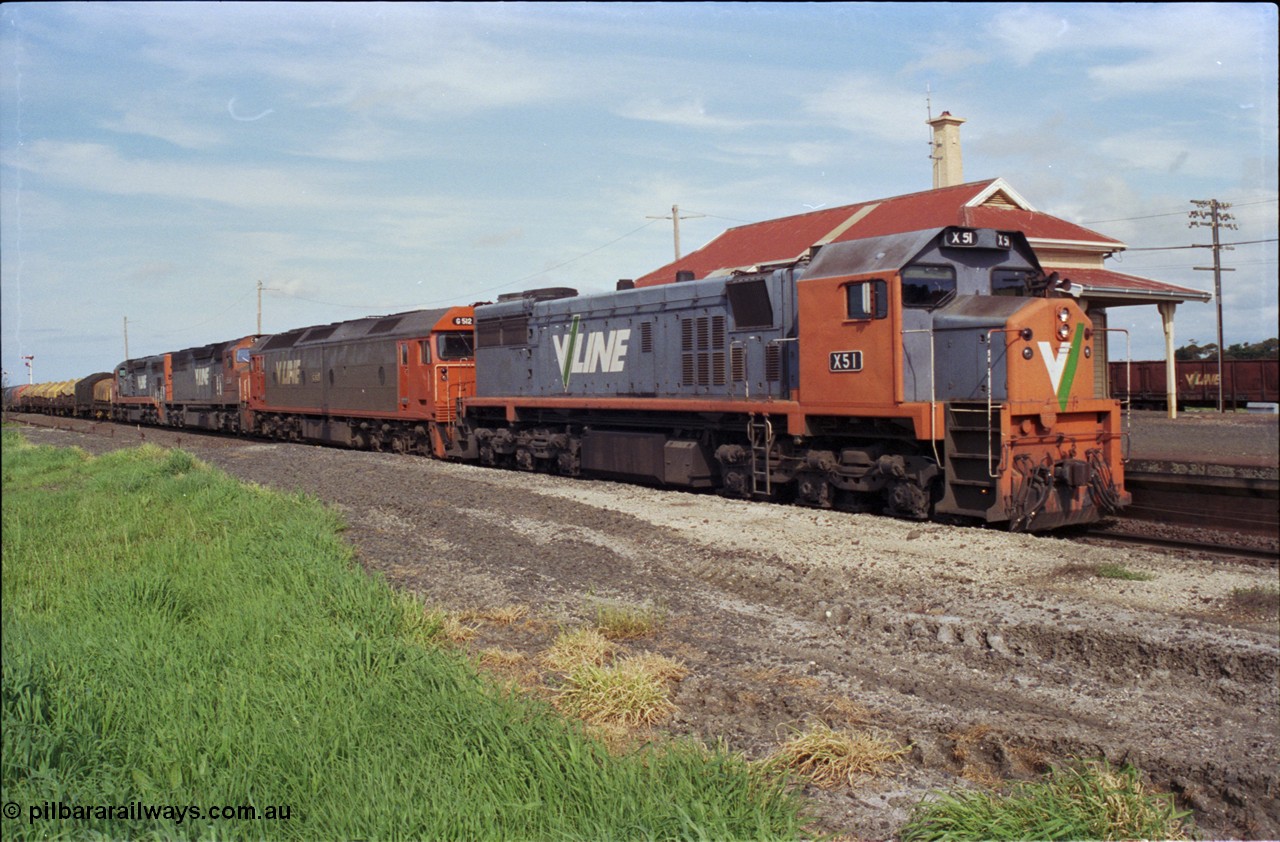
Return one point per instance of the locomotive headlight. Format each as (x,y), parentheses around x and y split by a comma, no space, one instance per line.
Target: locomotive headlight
(1064,315)
(1027,353)
(1026,334)
(1064,331)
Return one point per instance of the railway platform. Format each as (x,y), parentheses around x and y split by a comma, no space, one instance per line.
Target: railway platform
(1226,439)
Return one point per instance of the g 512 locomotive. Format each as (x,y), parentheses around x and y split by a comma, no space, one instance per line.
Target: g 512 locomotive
(935,373)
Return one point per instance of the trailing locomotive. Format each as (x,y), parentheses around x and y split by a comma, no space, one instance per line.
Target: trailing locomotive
(931,373)
(390,382)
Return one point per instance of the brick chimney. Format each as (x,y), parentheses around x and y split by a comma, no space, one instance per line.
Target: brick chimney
(948,169)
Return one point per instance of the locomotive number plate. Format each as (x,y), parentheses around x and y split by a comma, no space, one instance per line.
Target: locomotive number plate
(969,238)
(846,361)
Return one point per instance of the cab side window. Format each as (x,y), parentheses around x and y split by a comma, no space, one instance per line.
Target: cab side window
(1010,281)
(867,300)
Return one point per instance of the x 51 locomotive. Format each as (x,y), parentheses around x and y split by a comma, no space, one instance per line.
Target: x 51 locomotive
(932,372)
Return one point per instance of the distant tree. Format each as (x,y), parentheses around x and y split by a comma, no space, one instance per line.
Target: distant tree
(1268,349)
(1195,351)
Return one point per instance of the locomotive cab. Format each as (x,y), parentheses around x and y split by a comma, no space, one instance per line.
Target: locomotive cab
(957,340)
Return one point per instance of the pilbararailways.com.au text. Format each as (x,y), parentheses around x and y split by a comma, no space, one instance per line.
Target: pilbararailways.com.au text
(138,811)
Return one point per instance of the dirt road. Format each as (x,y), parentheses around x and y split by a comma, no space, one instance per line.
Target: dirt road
(990,654)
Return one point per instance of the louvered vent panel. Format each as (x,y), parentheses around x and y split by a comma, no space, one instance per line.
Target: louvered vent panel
(738,363)
(772,363)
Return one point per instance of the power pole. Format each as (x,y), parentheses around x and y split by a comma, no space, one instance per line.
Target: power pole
(675,218)
(126,337)
(1215,217)
(31,369)
(259,333)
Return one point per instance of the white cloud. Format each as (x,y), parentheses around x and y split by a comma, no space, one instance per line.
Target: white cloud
(100,168)
(157,121)
(1023,34)
(871,107)
(1142,48)
(689,114)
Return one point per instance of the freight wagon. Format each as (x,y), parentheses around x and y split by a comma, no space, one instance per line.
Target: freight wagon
(1243,382)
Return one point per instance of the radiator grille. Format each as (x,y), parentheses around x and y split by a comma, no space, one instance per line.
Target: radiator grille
(702,342)
(772,363)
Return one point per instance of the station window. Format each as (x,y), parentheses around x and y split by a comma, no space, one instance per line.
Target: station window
(926,287)
(867,300)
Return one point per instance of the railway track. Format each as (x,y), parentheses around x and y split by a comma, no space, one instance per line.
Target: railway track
(1232,546)
(1208,509)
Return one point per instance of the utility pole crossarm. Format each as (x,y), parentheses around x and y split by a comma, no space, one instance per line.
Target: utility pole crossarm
(675,218)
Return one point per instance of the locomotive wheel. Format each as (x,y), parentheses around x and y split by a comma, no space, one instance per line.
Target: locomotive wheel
(812,489)
(736,483)
(905,498)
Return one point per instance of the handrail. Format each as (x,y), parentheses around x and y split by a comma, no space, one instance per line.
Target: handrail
(1127,402)
(933,394)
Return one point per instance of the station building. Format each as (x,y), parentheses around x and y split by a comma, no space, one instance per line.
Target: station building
(1076,253)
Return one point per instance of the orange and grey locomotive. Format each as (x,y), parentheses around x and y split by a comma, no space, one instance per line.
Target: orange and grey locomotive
(931,373)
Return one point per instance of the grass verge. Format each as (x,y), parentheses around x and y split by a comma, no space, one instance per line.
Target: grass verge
(1089,800)
(172,637)
(1119,571)
(832,758)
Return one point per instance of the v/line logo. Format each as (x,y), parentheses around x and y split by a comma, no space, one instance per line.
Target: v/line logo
(594,351)
(1061,366)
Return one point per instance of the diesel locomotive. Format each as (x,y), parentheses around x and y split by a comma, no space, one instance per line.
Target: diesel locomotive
(935,373)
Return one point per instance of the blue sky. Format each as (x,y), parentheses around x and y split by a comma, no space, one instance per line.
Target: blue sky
(157,160)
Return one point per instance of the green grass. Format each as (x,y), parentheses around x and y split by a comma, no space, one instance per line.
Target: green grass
(1085,801)
(1119,571)
(172,637)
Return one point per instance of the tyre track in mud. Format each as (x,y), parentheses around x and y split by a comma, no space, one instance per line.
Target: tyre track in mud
(992,654)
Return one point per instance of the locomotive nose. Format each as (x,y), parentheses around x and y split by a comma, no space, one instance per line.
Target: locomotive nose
(1065,434)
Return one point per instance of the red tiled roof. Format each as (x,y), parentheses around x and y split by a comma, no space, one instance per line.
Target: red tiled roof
(1103,283)
(775,241)
(980,204)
